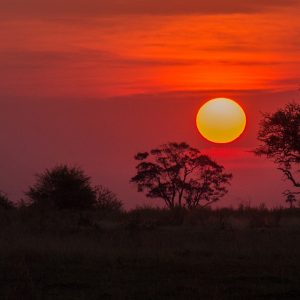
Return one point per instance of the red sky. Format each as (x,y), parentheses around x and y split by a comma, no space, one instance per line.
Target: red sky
(93,82)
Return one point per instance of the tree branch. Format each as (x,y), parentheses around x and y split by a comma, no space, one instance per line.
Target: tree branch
(290,177)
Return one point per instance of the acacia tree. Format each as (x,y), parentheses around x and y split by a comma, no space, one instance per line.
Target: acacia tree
(279,135)
(180,175)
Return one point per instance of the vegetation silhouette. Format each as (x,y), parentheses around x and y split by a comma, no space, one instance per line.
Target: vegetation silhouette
(290,199)
(65,187)
(173,254)
(181,176)
(106,200)
(5,203)
(62,187)
(279,135)
(77,252)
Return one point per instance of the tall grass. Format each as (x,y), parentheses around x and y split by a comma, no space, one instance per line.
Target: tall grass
(150,253)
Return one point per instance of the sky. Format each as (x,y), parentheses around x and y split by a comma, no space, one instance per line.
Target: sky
(91,82)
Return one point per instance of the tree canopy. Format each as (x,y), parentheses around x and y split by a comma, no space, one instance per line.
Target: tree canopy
(279,137)
(180,175)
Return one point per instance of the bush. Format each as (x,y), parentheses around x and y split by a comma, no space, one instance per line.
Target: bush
(62,187)
(5,203)
(106,200)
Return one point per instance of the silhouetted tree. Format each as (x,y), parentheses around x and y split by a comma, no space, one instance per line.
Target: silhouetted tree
(106,200)
(279,135)
(5,203)
(290,199)
(181,176)
(63,187)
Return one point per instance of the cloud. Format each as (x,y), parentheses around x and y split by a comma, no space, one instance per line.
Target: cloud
(33,59)
(45,59)
(73,8)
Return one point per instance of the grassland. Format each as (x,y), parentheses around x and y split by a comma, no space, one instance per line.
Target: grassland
(150,254)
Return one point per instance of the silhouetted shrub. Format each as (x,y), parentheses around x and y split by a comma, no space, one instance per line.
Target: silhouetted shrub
(106,200)
(5,203)
(62,187)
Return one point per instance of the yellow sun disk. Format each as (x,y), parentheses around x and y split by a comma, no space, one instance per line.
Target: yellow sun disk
(221,120)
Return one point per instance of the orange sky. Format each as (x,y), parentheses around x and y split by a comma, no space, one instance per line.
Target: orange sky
(73,49)
(91,82)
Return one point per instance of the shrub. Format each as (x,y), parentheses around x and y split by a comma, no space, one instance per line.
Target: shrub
(5,203)
(106,200)
(63,187)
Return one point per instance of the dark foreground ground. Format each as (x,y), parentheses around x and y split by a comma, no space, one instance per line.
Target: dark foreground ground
(218,256)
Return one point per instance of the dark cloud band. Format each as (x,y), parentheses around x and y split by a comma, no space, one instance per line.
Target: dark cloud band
(70,8)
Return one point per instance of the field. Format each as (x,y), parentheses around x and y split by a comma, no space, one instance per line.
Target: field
(150,254)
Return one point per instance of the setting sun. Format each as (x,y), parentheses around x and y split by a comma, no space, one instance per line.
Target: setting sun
(221,120)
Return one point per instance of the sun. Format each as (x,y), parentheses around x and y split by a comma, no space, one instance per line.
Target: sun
(221,120)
